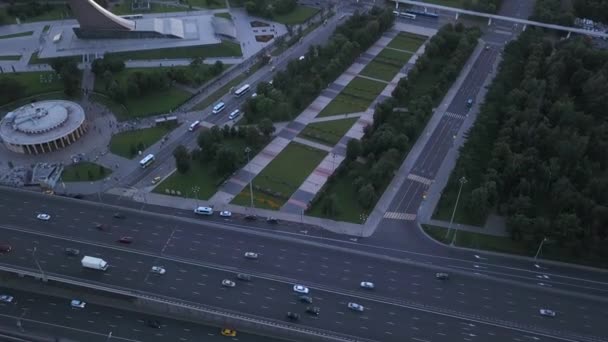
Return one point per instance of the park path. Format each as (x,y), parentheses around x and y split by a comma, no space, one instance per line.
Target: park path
(312,185)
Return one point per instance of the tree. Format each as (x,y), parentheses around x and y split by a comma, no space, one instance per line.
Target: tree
(353,149)
(266,127)
(101,171)
(10,90)
(367,196)
(226,161)
(182,159)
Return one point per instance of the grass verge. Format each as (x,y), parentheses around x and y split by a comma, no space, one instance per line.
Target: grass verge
(328,132)
(386,64)
(297,16)
(127,144)
(17,35)
(223,49)
(407,41)
(10,58)
(356,97)
(282,177)
(84,172)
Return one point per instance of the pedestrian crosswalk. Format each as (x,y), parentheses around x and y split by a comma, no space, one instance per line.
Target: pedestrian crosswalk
(419,179)
(455,116)
(399,216)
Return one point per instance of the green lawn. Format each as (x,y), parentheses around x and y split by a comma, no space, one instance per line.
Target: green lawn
(157,102)
(10,58)
(200,175)
(386,64)
(449,3)
(282,177)
(56,13)
(207,3)
(347,207)
(407,41)
(356,97)
(16,35)
(37,82)
(328,132)
(34,59)
(124,8)
(223,49)
(55,95)
(124,144)
(84,171)
(297,16)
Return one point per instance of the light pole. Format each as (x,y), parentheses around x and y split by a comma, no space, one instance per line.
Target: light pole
(539,248)
(109,336)
(38,264)
(462,181)
(195,190)
(247,150)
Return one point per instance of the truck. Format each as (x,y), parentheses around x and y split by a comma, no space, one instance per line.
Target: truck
(94,263)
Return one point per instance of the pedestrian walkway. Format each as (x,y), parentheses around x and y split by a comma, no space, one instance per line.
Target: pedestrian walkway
(312,144)
(338,117)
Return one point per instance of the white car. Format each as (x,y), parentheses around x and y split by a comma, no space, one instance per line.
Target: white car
(158,270)
(225,213)
(78,304)
(547,312)
(43,217)
(367,285)
(228,283)
(355,306)
(251,255)
(6,298)
(301,289)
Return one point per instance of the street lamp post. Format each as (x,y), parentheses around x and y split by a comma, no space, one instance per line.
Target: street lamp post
(247,150)
(462,181)
(195,190)
(539,248)
(38,264)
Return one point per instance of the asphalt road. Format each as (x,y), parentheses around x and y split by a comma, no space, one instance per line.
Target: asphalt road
(35,313)
(196,254)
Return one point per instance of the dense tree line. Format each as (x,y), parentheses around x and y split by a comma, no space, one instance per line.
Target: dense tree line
(67,68)
(488,6)
(302,81)
(270,8)
(592,9)
(399,120)
(538,153)
(553,11)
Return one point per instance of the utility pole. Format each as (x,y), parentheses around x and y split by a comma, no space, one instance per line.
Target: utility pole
(462,181)
(196,189)
(247,150)
(38,264)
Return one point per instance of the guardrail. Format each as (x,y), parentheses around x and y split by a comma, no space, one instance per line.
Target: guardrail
(167,304)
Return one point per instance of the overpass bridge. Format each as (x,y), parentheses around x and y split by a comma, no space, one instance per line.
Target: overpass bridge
(491,17)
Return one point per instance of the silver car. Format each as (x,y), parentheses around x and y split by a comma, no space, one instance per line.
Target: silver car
(355,307)
(251,255)
(6,298)
(228,283)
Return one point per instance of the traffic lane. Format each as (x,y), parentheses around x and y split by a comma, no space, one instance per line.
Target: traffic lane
(53,315)
(159,238)
(439,143)
(453,295)
(410,194)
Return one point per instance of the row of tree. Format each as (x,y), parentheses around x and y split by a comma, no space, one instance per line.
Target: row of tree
(270,8)
(592,9)
(488,6)
(559,12)
(213,149)
(398,121)
(538,152)
(303,80)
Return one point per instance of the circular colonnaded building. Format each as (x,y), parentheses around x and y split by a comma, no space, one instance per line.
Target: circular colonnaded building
(43,126)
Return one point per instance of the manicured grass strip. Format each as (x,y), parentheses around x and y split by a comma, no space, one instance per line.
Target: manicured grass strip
(10,58)
(223,49)
(282,177)
(475,240)
(124,8)
(407,41)
(224,15)
(37,82)
(328,132)
(297,16)
(356,97)
(126,144)
(35,59)
(449,3)
(386,65)
(84,172)
(201,174)
(346,207)
(56,12)
(17,35)
(46,28)
(207,3)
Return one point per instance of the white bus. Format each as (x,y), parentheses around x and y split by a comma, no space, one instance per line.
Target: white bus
(408,15)
(242,90)
(149,159)
(219,107)
(194,125)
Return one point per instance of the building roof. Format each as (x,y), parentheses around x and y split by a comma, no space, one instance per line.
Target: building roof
(41,122)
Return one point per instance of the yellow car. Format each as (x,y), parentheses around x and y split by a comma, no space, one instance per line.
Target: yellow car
(229,332)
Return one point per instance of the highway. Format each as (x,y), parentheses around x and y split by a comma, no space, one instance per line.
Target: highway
(196,254)
(35,313)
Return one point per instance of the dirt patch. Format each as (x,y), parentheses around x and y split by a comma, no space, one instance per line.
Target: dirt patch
(264,38)
(256,23)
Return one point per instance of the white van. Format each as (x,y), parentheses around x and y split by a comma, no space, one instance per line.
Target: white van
(194,125)
(234,114)
(203,211)
(219,107)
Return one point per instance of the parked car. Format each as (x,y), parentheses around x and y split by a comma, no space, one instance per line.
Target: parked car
(228,283)
(225,213)
(301,289)
(72,251)
(251,217)
(367,285)
(251,255)
(272,220)
(158,270)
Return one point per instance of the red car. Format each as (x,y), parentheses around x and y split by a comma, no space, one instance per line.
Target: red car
(4,248)
(125,239)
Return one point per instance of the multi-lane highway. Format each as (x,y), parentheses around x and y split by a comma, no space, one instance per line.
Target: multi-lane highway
(198,257)
(52,316)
